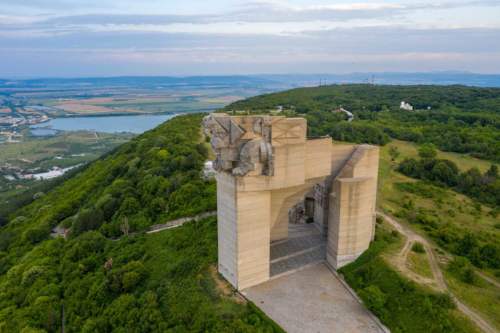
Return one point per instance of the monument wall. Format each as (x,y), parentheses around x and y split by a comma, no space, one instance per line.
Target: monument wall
(265,166)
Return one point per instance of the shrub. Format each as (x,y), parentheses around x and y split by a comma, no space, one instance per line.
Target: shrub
(427,151)
(418,247)
(374,298)
(462,268)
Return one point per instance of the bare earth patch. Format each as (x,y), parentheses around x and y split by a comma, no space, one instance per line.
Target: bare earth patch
(224,288)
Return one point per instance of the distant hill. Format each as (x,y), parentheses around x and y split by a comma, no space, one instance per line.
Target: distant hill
(428,78)
(269,81)
(149,82)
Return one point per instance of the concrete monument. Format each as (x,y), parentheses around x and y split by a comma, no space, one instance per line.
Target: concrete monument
(268,173)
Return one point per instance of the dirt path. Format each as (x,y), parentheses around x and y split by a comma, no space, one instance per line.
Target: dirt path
(439,280)
(489,279)
(169,225)
(401,257)
(179,222)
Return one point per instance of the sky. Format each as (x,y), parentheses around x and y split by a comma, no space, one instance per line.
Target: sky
(75,38)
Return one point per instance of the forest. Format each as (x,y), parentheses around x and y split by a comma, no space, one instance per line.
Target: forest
(108,275)
(454,118)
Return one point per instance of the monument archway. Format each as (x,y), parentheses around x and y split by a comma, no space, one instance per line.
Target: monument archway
(265,166)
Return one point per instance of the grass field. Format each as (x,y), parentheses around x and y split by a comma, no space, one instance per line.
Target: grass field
(447,205)
(481,296)
(145,102)
(44,153)
(464,162)
(71,147)
(419,264)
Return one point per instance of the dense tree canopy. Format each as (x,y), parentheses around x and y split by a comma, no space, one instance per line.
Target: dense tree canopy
(96,283)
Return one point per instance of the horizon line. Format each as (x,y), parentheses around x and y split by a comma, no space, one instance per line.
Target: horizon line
(447,72)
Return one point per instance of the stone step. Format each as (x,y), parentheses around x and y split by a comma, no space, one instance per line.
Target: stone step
(293,262)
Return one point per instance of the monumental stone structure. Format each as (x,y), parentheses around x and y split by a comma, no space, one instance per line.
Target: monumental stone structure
(268,173)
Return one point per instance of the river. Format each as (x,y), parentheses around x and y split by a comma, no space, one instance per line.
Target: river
(109,124)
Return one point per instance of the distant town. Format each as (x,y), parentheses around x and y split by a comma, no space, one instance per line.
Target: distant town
(15,113)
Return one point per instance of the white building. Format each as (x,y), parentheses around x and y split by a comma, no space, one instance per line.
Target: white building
(406,106)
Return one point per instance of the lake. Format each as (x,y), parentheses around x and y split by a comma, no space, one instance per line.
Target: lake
(109,124)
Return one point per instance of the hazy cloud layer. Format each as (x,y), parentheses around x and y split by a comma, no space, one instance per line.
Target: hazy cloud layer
(76,37)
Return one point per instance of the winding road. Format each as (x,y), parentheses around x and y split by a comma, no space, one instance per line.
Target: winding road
(439,281)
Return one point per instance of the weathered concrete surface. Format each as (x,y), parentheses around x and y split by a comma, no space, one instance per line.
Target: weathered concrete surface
(312,300)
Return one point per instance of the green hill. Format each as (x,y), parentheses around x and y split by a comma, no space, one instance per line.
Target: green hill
(164,282)
(101,280)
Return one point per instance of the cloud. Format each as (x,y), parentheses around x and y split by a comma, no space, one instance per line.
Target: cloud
(125,11)
(262,17)
(256,35)
(366,40)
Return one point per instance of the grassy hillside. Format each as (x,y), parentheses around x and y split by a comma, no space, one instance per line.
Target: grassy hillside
(164,282)
(455,118)
(451,219)
(153,178)
(403,306)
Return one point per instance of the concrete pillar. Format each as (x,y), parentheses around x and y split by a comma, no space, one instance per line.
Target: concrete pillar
(350,220)
(244,228)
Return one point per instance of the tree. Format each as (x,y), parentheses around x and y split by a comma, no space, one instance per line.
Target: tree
(427,151)
(467,244)
(3,221)
(36,234)
(470,180)
(446,172)
(463,269)
(492,172)
(410,167)
(87,219)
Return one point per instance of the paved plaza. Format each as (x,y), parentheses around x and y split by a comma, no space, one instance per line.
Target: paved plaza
(312,300)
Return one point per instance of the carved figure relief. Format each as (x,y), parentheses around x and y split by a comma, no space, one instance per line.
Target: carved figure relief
(241,148)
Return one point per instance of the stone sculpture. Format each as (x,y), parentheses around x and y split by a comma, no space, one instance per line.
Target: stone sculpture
(241,148)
